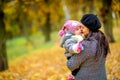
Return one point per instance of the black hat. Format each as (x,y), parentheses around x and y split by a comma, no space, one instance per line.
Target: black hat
(91,21)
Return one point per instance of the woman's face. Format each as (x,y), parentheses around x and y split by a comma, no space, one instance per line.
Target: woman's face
(85,30)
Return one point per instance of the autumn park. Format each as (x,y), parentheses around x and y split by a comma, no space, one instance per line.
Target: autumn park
(29,40)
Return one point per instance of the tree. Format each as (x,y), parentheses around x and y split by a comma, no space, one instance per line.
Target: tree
(106,14)
(49,13)
(116,10)
(22,20)
(3,54)
(27,17)
(47,27)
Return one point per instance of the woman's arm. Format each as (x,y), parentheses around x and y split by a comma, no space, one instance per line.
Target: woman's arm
(77,59)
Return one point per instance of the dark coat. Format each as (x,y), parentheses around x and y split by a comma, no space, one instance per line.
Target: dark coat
(89,67)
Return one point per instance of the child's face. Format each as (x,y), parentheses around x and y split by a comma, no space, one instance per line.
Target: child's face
(78,31)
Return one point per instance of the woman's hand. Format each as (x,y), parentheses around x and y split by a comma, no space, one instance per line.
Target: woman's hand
(78,47)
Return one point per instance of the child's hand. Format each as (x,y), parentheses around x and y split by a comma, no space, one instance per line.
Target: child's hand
(70,77)
(77,48)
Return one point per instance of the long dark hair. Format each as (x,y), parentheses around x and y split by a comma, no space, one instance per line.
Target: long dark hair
(103,44)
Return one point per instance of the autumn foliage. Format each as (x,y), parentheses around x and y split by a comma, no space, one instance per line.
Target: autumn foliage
(50,64)
(43,64)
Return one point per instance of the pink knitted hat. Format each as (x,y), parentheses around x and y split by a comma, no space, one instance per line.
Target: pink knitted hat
(71,25)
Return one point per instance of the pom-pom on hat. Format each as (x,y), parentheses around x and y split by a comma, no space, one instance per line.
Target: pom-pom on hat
(71,25)
(91,22)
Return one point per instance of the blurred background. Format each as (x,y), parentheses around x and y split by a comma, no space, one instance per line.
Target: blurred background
(29,28)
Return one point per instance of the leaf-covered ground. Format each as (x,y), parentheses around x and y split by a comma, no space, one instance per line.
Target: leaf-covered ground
(40,65)
(50,64)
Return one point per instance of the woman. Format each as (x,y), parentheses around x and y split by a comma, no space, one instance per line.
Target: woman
(91,61)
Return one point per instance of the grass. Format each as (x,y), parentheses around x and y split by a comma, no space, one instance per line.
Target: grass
(20,46)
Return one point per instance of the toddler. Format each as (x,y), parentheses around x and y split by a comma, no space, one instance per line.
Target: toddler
(71,30)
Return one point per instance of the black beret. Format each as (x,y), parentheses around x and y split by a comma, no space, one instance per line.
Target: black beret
(91,22)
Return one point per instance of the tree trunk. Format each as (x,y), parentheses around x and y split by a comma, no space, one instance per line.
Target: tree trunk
(47,28)
(108,27)
(23,23)
(117,18)
(106,14)
(3,54)
(66,11)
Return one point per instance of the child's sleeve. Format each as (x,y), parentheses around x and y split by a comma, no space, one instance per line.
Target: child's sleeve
(64,38)
(72,46)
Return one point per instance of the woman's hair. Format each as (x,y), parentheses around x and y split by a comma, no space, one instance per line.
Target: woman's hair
(103,45)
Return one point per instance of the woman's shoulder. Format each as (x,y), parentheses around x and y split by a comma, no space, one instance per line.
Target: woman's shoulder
(90,46)
(90,41)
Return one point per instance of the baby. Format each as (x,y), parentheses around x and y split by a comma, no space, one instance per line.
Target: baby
(71,30)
